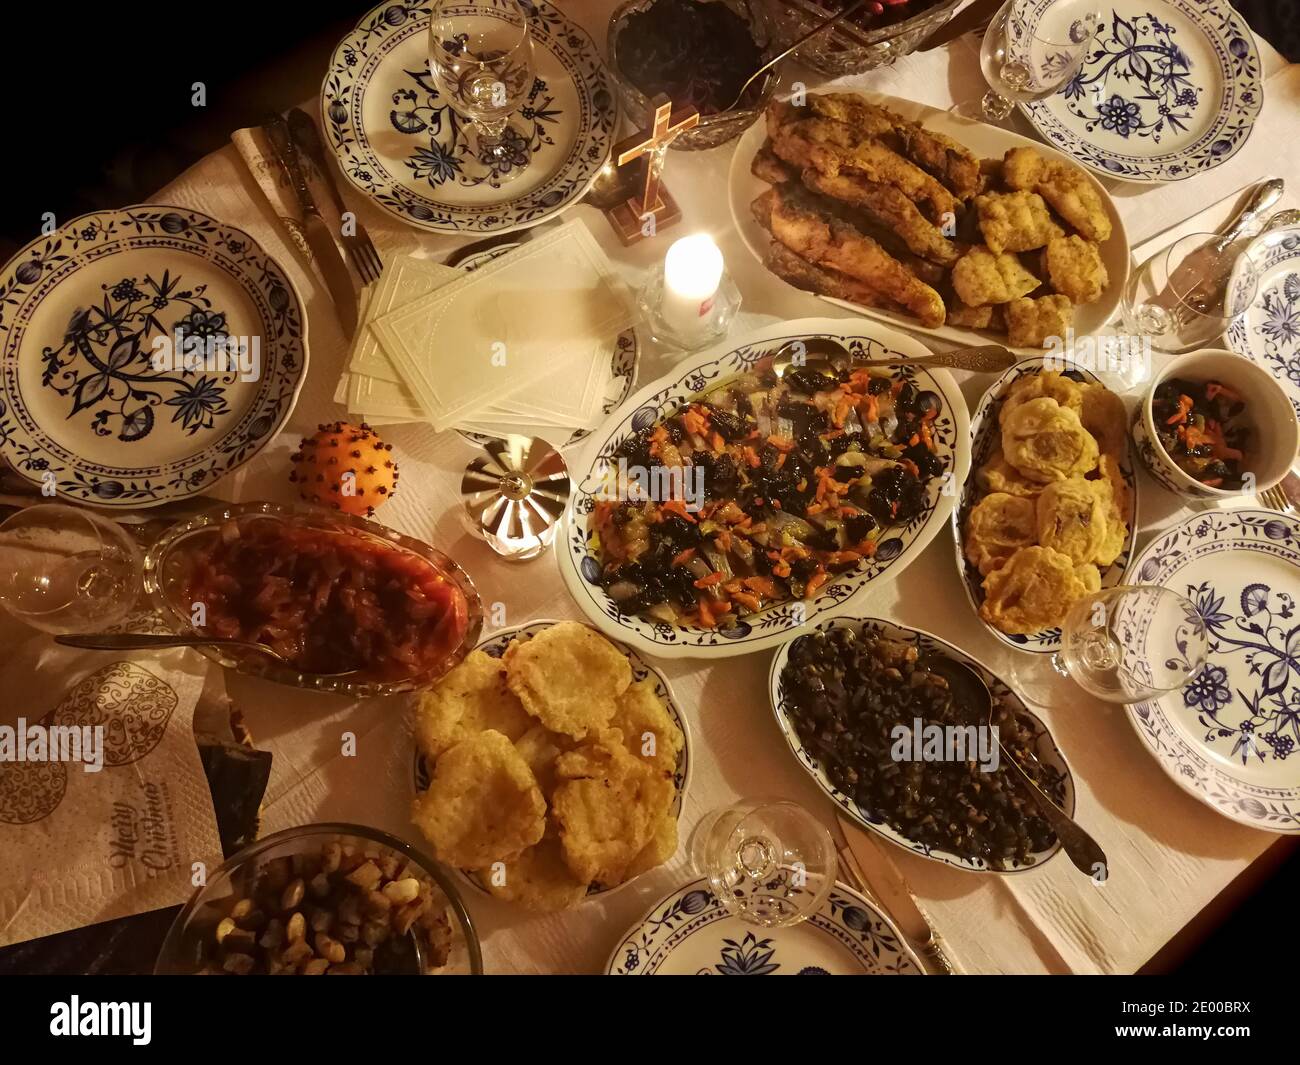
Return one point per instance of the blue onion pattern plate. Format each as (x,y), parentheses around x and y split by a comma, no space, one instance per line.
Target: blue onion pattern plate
(579,561)
(690,933)
(1170,89)
(402,145)
(925,643)
(144,354)
(1269,332)
(1231,737)
(496,644)
(985,436)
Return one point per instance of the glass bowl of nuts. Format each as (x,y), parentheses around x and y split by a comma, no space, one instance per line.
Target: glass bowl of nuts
(327,899)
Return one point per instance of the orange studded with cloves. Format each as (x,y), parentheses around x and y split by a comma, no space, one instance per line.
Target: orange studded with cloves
(345,467)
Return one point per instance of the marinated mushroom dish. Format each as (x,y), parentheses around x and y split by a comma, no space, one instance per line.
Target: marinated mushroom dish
(845,694)
(1200,426)
(781,485)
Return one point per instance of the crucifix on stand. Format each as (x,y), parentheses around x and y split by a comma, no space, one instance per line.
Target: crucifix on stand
(643,216)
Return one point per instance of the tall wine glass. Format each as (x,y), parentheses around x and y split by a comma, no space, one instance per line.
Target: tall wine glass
(481,59)
(1031,49)
(769,862)
(63,569)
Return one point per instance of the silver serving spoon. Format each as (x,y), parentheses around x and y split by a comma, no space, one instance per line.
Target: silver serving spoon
(830,357)
(139,641)
(825,24)
(970,692)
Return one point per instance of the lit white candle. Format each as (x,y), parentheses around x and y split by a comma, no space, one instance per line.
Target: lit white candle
(692,273)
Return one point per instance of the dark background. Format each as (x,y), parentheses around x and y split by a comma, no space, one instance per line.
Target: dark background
(98,113)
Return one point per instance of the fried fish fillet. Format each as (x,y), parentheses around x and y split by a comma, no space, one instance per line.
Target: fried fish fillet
(1065,187)
(887,205)
(831,146)
(1014,221)
(768,166)
(1075,268)
(980,277)
(799,224)
(935,153)
(805,275)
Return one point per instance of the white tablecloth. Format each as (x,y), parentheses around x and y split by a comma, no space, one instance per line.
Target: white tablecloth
(1169,855)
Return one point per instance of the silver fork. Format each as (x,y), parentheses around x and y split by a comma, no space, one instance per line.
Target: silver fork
(360,248)
(1276,499)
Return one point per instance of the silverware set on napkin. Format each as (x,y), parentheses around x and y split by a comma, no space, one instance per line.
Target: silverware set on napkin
(291,139)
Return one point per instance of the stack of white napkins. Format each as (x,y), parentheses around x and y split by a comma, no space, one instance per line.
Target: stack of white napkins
(523,344)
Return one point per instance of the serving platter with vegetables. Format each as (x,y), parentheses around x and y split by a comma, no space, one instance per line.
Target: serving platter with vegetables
(722,506)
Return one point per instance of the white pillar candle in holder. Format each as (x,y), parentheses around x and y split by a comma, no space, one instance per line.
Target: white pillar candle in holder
(690,301)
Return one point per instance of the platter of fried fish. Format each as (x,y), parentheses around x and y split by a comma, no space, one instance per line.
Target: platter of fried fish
(550,766)
(1048,513)
(930,221)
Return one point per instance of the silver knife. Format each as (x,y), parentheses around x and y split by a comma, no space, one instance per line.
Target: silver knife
(882,878)
(319,238)
(969,18)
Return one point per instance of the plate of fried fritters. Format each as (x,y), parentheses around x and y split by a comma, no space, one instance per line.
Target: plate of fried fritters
(1048,513)
(550,765)
(929,221)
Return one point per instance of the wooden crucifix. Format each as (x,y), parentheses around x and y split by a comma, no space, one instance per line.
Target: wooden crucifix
(643,216)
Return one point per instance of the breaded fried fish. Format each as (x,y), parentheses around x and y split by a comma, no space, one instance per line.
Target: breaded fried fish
(980,277)
(1066,187)
(1075,268)
(1014,221)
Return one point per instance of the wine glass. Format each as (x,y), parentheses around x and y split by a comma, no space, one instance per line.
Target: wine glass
(1186,296)
(1125,644)
(1031,49)
(64,570)
(770,862)
(481,59)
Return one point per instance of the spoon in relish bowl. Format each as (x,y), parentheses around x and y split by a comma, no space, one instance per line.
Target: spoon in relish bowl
(138,641)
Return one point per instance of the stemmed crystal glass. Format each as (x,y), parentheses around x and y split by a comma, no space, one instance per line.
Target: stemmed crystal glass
(63,569)
(1031,49)
(769,862)
(481,60)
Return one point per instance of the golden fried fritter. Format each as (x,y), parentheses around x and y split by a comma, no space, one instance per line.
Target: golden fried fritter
(1033,591)
(1031,321)
(890,208)
(998,475)
(538,879)
(1047,442)
(1103,415)
(1067,188)
(649,732)
(997,527)
(1075,268)
(836,245)
(1050,383)
(1071,519)
(568,676)
(1014,221)
(469,699)
(980,278)
(1112,541)
(969,317)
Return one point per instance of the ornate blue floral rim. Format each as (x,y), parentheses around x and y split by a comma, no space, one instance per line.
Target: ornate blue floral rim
(1253,669)
(926,643)
(1269,332)
(986,435)
(847,919)
(437,132)
(104,361)
(580,566)
(1139,84)
(496,644)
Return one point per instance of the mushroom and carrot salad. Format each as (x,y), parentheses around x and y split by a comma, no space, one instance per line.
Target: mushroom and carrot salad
(785,483)
(1200,426)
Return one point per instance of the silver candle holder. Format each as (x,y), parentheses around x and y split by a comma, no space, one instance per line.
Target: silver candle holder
(515,494)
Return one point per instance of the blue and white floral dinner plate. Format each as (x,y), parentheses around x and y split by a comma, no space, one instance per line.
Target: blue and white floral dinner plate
(1169,89)
(399,142)
(690,933)
(596,476)
(1231,737)
(1269,332)
(144,354)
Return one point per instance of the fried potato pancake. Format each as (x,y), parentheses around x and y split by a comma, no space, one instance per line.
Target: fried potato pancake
(1071,519)
(1114,508)
(1066,391)
(1014,221)
(1047,442)
(568,677)
(1075,269)
(539,747)
(1104,416)
(1031,321)
(998,475)
(662,846)
(538,879)
(997,527)
(469,699)
(483,804)
(642,716)
(1061,184)
(980,277)
(1033,590)
(607,806)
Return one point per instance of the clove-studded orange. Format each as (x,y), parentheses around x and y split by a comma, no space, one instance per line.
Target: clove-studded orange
(346,467)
